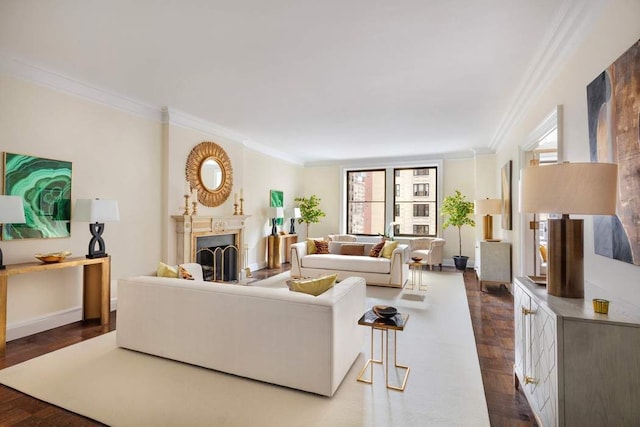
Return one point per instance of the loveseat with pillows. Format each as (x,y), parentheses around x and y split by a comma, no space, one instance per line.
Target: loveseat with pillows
(381,263)
(271,334)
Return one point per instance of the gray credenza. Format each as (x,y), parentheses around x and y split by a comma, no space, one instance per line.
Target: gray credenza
(493,263)
(577,367)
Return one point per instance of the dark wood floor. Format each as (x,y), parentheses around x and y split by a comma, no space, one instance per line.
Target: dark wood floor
(491,316)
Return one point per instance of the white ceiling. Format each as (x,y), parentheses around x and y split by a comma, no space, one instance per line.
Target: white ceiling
(315,80)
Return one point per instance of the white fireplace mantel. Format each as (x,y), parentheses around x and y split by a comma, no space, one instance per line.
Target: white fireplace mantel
(190,227)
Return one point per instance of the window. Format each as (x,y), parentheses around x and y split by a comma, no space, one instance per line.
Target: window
(366,201)
(420,209)
(421,230)
(416,201)
(421,190)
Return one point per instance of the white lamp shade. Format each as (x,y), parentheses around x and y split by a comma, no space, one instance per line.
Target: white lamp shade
(570,188)
(11,210)
(277,212)
(488,206)
(96,210)
(295,212)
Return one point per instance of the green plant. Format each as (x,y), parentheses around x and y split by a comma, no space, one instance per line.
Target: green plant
(310,212)
(457,210)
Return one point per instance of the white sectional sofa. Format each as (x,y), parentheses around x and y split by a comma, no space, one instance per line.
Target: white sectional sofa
(380,271)
(268,334)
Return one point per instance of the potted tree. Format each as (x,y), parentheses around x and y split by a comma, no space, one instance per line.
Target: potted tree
(457,211)
(310,212)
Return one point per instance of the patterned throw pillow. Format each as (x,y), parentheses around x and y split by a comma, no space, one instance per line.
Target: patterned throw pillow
(375,251)
(184,274)
(322,247)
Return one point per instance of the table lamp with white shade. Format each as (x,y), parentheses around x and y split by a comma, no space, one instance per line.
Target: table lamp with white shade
(568,188)
(11,212)
(295,214)
(275,213)
(486,208)
(96,212)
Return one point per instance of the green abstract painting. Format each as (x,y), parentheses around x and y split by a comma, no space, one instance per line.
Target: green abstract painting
(45,188)
(277,201)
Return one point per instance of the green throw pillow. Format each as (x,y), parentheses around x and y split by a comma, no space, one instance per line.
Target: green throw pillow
(165,270)
(388,249)
(315,286)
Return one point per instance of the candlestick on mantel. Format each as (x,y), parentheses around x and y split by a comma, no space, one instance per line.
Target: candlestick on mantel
(241,206)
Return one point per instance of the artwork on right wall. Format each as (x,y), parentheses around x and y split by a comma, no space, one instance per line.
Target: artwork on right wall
(613,104)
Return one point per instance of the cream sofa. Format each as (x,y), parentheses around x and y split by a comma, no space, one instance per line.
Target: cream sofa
(268,334)
(379,271)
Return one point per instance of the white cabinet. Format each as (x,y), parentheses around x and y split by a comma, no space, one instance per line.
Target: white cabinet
(493,262)
(577,367)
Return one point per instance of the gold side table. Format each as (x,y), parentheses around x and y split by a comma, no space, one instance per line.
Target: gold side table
(395,323)
(416,275)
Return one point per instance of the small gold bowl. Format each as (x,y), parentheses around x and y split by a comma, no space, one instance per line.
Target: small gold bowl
(601,306)
(53,257)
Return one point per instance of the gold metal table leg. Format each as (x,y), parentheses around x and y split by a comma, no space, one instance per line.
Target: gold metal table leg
(371,361)
(395,363)
(384,336)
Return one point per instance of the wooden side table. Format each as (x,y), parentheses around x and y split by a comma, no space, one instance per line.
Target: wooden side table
(96,294)
(396,323)
(274,249)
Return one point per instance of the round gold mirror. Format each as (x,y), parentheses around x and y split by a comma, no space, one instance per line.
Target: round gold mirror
(209,171)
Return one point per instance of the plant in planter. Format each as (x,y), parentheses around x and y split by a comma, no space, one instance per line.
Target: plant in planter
(310,212)
(458,211)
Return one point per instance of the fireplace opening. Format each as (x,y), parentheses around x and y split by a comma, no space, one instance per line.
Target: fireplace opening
(218,256)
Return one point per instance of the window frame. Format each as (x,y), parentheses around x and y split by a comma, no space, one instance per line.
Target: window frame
(436,164)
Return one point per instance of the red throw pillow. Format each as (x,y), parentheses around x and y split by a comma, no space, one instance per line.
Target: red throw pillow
(375,251)
(322,247)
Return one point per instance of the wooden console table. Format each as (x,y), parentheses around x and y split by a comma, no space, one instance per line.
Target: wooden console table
(274,249)
(96,294)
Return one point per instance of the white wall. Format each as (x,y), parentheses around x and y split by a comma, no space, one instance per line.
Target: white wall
(459,175)
(139,162)
(615,30)
(114,155)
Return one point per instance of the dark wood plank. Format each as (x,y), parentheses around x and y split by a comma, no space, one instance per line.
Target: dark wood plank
(491,317)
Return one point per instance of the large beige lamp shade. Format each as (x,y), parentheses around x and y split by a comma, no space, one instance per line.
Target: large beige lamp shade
(568,188)
(488,207)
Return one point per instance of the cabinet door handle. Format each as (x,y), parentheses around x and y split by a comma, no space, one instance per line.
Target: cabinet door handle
(530,380)
(526,311)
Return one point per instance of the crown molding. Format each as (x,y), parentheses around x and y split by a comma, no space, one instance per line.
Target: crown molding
(61,83)
(567,32)
(58,82)
(175,117)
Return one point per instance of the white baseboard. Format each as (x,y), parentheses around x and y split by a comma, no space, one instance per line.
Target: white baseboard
(49,321)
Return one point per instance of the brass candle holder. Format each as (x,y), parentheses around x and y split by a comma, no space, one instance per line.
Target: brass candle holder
(194,211)
(186,205)
(235,209)
(241,206)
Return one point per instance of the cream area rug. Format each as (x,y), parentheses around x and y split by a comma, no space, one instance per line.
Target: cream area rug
(124,388)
